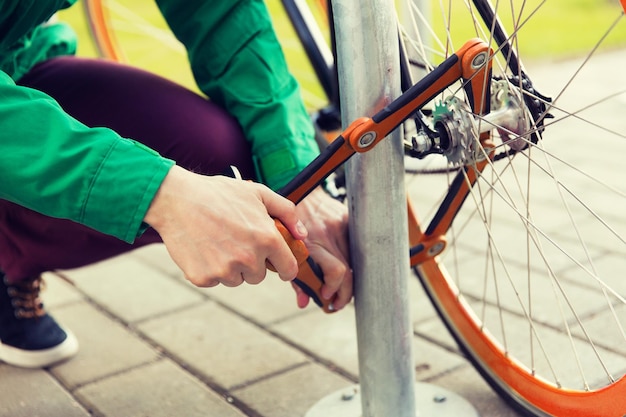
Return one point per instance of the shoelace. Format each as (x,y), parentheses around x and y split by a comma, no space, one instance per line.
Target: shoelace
(25,298)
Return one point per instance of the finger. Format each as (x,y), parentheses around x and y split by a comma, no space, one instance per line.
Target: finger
(284,210)
(282,259)
(345,291)
(207,283)
(337,278)
(254,277)
(285,264)
(233,281)
(334,271)
(302,299)
(342,243)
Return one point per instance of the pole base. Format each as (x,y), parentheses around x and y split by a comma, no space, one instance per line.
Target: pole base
(430,401)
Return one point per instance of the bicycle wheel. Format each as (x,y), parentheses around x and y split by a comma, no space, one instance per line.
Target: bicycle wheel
(527,199)
(135,33)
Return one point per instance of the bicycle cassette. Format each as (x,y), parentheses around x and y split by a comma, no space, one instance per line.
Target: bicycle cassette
(453,120)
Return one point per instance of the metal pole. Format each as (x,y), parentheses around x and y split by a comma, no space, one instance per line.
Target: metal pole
(367,42)
(368,67)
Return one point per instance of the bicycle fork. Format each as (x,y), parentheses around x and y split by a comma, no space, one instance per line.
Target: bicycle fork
(472,64)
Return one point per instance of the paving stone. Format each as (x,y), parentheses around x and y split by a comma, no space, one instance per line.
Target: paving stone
(430,359)
(221,346)
(468,384)
(271,300)
(34,393)
(56,291)
(159,389)
(131,289)
(421,308)
(435,331)
(265,303)
(291,394)
(333,338)
(603,328)
(106,346)
(157,257)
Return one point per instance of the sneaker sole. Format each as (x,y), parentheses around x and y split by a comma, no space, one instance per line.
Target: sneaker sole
(40,358)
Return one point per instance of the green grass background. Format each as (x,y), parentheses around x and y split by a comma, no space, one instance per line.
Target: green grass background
(564,28)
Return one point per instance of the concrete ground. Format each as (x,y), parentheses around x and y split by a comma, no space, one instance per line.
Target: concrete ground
(153,345)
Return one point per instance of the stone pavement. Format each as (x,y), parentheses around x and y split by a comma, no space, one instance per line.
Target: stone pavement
(153,345)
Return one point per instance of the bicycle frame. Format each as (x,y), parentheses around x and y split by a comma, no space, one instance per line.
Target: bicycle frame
(424,244)
(323,57)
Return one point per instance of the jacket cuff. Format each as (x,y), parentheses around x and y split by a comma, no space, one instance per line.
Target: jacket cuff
(122,191)
(277,163)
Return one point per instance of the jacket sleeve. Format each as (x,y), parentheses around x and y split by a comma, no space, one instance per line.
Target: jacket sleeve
(238,62)
(53,164)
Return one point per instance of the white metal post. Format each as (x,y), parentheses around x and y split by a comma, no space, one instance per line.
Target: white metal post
(368,66)
(367,42)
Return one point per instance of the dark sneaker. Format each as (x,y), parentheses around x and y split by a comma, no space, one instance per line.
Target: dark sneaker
(29,337)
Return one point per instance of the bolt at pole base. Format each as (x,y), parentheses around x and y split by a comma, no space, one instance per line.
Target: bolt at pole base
(431,401)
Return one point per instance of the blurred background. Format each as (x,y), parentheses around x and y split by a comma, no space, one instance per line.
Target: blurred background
(563,29)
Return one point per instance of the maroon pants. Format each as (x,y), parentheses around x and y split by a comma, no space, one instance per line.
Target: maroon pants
(177,123)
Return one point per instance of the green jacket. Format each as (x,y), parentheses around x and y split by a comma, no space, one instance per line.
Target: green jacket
(53,164)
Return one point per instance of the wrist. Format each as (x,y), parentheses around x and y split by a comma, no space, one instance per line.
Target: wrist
(155,216)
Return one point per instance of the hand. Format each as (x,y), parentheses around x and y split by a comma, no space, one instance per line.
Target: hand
(221,230)
(326,221)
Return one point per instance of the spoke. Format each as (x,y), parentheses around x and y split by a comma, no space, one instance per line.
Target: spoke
(419,44)
(561,290)
(561,249)
(532,237)
(131,22)
(582,65)
(528,262)
(577,198)
(509,278)
(556,283)
(577,117)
